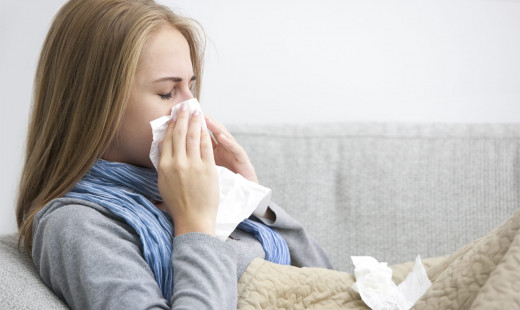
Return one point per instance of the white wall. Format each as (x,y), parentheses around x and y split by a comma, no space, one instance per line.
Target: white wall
(309,61)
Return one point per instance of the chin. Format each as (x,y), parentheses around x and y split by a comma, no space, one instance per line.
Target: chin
(145,164)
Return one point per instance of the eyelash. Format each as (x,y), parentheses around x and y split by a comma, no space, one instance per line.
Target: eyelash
(167,96)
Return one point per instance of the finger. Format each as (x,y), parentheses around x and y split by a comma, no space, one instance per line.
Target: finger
(206,148)
(230,145)
(214,142)
(180,130)
(217,128)
(193,137)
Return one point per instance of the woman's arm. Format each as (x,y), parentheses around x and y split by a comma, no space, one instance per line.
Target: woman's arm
(92,260)
(304,250)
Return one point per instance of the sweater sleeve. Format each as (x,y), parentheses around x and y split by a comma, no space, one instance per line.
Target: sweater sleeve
(304,250)
(93,260)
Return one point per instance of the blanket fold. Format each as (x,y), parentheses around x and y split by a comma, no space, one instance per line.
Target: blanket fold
(484,274)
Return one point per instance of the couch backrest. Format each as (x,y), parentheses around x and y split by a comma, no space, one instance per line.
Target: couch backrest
(20,284)
(391,191)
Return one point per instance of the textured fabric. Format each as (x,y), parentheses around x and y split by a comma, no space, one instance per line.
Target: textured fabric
(391,191)
(268,286)
(20,285)
(304,250)
(275,247)
(111,273)
(92,259)
(126,190)
(482,275)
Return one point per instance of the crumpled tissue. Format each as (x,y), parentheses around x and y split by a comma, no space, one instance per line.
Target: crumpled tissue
(239,197)
(376,288)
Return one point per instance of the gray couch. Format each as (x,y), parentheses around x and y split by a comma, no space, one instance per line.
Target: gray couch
(391,191)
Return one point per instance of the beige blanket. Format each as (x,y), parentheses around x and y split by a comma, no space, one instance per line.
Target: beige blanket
(484,274)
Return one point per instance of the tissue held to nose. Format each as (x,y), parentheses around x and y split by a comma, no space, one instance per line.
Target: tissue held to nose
(239,197)
(160,125)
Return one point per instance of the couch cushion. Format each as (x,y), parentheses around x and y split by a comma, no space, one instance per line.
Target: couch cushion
(391,191)
(20,285)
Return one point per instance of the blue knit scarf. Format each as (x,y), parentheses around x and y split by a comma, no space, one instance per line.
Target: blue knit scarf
(127,191)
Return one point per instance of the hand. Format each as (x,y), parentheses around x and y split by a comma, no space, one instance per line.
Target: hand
(228,153)
(188,180)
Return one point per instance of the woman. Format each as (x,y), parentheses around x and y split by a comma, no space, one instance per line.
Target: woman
(105,229)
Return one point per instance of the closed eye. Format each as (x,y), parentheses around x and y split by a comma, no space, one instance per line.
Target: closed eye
(166,96)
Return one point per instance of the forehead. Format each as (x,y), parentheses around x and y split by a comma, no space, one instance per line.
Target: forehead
(165,52)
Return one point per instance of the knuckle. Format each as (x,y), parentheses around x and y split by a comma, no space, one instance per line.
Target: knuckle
(205,133)
(211,170)
(182,114)
(199,169)
(167,166)
(179,132)
(205,143)
(195,124)
(163,168)
(178,165)
(192,135)
(206,170)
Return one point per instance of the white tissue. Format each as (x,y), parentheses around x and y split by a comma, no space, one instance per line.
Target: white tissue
(239,197)
(160,125)
(376,288)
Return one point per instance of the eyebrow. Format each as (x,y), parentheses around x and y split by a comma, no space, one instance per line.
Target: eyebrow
(174,79)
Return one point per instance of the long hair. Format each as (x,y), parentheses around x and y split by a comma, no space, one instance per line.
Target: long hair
(81,88)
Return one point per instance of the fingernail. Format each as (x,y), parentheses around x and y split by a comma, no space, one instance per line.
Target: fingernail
(184,107)
(174,118)
(196,113)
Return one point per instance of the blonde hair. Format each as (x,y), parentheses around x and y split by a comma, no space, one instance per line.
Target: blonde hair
(82,85)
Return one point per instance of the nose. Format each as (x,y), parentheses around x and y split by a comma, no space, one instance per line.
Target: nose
(185,94)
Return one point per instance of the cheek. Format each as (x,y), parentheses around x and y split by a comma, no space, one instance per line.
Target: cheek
(144,128)
(147,111)
(144,106)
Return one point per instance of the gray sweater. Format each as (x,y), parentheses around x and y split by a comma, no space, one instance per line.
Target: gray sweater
(92,259)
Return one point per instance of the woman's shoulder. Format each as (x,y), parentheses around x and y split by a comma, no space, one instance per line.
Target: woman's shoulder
(66,220)
(72,211)
(88,256)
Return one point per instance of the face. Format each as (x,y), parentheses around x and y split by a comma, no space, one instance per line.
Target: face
(163,79)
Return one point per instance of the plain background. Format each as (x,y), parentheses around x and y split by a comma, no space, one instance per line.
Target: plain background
(298,61)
